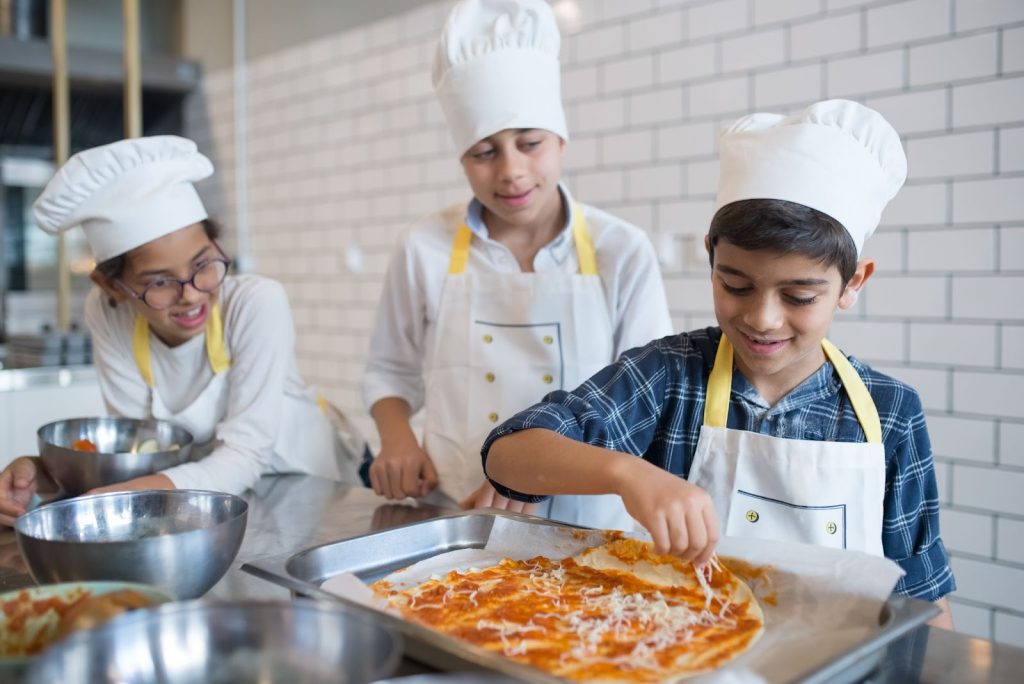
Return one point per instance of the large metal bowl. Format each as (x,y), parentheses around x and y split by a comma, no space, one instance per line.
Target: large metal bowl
(116,458)
(180,540)
(296,642)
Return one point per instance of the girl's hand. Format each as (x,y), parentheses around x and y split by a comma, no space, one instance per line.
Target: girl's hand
(18,484)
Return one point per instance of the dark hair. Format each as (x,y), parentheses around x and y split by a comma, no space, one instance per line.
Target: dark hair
(785,228)
(113,268)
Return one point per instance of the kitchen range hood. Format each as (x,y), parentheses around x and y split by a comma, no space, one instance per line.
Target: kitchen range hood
(97,102)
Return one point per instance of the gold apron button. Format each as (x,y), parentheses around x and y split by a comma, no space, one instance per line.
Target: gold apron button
(488,339)
(548,339)
(493,417)
(548,379)
(831,528)
(752,516)
(489,377)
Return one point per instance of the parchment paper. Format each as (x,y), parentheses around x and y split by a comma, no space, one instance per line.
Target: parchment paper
(817,602)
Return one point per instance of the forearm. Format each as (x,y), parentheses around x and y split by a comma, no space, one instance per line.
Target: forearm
(392,416)
(543,462)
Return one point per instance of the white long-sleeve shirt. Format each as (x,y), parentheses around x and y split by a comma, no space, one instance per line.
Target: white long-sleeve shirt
(267,420)
(404,333)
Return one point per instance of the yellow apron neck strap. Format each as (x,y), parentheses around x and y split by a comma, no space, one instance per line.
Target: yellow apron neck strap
(716,400)
(216,351)
(584,245)
(460,250)
(860,398)
(716,403)
(581,237)
(140,349)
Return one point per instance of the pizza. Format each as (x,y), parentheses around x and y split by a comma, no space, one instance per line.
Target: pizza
(614,612)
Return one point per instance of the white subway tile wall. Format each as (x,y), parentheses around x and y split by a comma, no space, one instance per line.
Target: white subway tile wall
(347,146)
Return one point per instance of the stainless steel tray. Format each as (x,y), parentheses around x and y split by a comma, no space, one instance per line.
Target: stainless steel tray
(376,555)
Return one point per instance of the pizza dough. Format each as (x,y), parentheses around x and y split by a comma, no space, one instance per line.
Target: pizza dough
(615,612)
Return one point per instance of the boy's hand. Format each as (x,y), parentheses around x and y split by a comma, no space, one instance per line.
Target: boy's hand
(404,471)
(679,515)
(18,483)
(486,497)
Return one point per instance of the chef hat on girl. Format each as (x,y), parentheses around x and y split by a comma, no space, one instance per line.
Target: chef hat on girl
(837,156)
(125,194)
(496,67)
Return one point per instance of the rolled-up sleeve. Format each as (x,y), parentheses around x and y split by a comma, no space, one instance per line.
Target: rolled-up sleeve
(633,284)
(395,364)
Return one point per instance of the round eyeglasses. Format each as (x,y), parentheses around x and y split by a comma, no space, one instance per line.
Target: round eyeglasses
(164,292)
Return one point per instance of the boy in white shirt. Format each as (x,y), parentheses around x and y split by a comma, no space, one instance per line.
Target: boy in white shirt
(488,307)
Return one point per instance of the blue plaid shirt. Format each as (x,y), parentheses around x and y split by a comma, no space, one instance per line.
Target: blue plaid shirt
(651,403)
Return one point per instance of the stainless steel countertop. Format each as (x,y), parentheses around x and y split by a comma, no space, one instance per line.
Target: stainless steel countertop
(294,512)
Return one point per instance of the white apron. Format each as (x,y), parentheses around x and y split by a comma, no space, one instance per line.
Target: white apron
(504,341)
(815,492)
(303,425)
(202,415)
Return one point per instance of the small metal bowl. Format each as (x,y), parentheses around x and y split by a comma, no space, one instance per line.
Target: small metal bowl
(180,540)
(291,642)
(24,632)
(116,458)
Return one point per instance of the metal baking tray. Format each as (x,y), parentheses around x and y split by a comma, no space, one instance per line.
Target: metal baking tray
(376,555)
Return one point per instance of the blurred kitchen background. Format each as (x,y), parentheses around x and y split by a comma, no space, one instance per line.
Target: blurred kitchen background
(321,121)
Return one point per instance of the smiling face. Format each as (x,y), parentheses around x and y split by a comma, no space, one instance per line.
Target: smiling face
(775,309)
(177,255)
(515,174)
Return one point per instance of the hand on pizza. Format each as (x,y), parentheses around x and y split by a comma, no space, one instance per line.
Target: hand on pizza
(615,612)
(679,516)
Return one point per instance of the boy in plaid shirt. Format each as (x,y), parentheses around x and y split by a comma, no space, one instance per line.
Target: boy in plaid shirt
(760,427)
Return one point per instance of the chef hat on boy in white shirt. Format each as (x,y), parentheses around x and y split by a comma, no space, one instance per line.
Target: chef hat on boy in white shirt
(837,156)
(496,67)
(126,194)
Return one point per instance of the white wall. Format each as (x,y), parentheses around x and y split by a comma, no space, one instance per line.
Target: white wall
(347,146)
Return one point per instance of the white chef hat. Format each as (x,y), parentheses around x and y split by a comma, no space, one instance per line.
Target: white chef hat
(496,67)
(125,194)
(837,156)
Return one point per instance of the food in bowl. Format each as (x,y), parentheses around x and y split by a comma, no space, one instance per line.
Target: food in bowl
(146,446)
(93,611)
(81,454)
(34,618)
(151,446)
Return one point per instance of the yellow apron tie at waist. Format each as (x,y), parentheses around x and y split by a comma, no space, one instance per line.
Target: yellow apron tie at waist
(216,351)
(581,237)
(716,404)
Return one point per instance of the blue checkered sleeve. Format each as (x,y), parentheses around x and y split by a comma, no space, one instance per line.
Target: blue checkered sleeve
(910,525)
(648,403)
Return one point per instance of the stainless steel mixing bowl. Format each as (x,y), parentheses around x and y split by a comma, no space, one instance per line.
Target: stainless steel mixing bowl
(116,459)
(180,540)
(290,642)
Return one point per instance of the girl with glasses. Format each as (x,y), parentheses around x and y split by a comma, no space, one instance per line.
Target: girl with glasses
(174,335)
